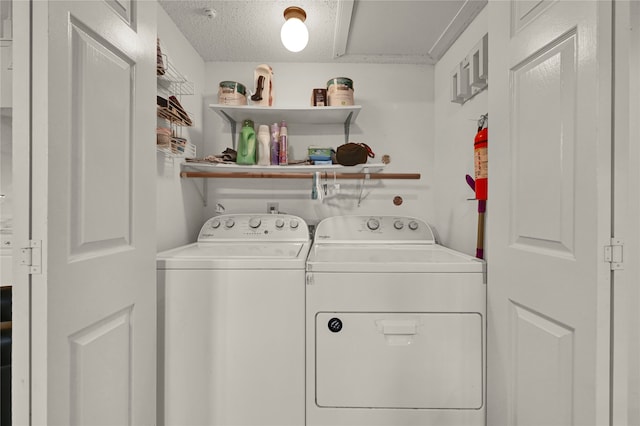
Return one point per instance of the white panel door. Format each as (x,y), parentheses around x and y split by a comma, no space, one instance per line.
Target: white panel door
(550,198)
(93,208)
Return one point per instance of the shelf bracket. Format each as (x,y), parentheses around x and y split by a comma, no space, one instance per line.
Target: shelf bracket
(233,123)
(204,195)
(347,125)
(205,192)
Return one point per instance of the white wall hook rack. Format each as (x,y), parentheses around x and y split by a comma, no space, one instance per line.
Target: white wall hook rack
(471,75)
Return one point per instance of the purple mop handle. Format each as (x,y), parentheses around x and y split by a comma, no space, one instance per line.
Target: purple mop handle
(471,183)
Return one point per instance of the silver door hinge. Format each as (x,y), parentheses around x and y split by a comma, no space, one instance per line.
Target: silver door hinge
(32,257)
(614,254)
(309,279)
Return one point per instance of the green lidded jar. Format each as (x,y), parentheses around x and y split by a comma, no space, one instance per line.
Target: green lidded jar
(232,93)
(344,81)
(340,91)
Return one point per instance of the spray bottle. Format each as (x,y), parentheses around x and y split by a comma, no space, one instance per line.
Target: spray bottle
(284,143)
(275,144)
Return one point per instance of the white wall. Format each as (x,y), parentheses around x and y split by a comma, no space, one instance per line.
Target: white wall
(455,129)
(179,203)
(397,119)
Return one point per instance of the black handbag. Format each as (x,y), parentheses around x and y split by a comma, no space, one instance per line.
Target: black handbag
(352,153)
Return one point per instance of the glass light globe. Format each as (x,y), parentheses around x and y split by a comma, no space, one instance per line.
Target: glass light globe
(294,35)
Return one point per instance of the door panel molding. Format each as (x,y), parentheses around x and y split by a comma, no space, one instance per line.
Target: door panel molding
(124,9)
(541,351)
(100,161)
(543,149)
(525,12)
(101,371)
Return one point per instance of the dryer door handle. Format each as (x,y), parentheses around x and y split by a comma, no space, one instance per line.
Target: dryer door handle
(396,327)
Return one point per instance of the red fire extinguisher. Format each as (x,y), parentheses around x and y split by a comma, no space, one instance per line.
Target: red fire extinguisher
(481,159)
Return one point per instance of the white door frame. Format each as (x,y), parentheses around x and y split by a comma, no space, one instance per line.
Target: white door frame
(21,353)
(625,405)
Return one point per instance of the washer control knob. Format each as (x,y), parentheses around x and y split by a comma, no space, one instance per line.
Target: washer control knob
(413,225)
(294,224)
(229,223)
(279,223)
(398,224)
(254,222)
(373,224)
(215,223)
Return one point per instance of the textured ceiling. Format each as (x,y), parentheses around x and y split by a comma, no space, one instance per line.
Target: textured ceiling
(380,31)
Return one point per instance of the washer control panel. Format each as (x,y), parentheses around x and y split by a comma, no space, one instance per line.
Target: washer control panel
(374,228)
(259,227)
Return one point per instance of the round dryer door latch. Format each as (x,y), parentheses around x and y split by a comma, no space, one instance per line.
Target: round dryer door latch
(335,325)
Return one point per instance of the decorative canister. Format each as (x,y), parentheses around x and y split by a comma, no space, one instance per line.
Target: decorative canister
(340,91)
(232,93)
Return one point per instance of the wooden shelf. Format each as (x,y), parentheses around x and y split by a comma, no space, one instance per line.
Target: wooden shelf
(300,175)
(233,171)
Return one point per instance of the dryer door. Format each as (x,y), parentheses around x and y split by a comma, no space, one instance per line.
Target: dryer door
(399,360)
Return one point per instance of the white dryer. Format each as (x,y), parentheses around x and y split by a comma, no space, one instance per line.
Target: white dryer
(395,326)
(231,323)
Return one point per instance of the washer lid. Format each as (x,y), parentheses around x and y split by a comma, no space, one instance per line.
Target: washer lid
(389,258)
(234,255)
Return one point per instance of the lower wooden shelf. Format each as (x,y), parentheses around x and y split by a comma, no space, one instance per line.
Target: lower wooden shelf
(233,171)
(298,175)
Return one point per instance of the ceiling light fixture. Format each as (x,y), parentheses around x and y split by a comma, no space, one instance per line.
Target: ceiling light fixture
(294,33)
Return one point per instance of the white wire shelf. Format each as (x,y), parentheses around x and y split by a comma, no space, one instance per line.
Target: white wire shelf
(177,149)
(172,81)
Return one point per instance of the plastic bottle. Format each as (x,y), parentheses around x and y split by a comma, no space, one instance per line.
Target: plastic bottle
(275,145)
(247,144)
(264,144)
(284,143)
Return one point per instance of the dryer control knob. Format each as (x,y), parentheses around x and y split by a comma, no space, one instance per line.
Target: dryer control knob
(413,225)
(279,223)
(254,222)
(215,223)
(398,224)
(373,224)
(229,223)
(293,224)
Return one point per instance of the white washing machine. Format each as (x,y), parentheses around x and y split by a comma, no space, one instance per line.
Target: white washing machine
(231,323)
(395,326)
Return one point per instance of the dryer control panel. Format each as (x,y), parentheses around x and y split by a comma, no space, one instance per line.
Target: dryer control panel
(257,227)
(402,229)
